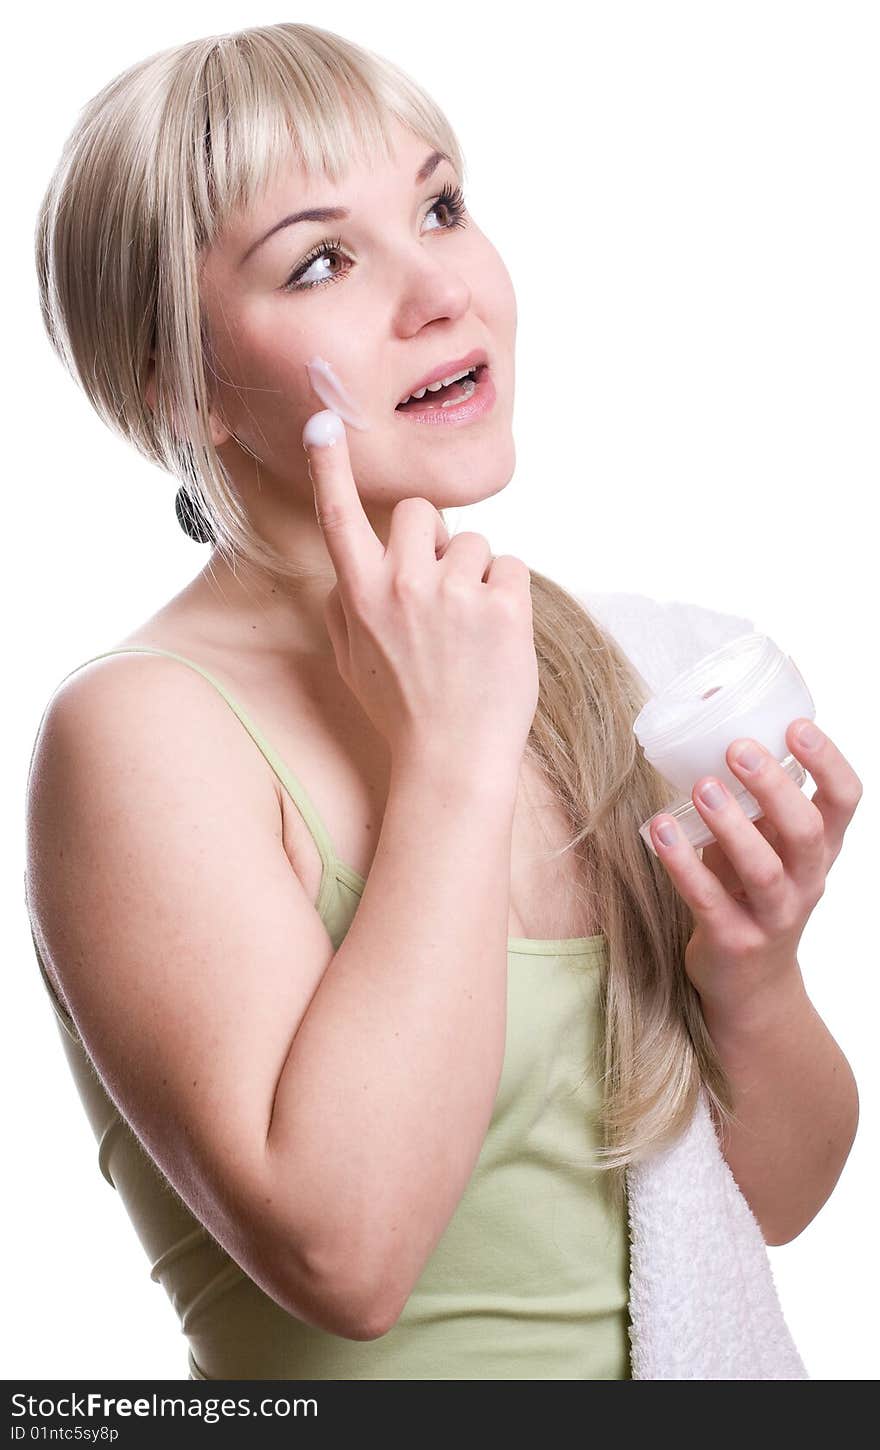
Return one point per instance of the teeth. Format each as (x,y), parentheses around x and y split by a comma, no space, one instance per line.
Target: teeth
(435,387)
(469,388)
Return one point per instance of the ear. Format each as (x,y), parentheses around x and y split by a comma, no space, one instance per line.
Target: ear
(219,432)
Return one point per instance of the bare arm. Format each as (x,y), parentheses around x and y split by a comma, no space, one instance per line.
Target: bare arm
(797,1110)
(191,960)
(320,1114)
(390,1085)
(387,1093)
(752,891)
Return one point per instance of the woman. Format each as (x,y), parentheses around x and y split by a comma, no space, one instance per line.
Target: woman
(396,1075)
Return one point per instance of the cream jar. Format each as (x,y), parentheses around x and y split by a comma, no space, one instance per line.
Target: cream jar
(748,687)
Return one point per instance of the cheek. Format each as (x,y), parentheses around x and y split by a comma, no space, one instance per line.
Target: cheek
(265,376)
(498,293)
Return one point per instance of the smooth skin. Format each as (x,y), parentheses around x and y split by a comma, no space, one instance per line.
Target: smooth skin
(406,290)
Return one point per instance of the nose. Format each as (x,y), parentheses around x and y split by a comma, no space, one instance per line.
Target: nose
(431,288)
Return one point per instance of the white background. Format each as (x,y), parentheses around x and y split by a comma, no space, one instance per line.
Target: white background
(686,197)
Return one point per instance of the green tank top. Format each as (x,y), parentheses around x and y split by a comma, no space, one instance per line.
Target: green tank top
(530,1277)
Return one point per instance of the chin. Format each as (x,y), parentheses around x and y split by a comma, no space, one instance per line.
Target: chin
(468,493)
(463,472)
(468,478)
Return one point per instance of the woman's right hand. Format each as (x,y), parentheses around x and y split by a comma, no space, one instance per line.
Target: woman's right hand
(433,636)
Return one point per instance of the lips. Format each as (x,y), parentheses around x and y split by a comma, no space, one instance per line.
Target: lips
(476,402)
(478,357)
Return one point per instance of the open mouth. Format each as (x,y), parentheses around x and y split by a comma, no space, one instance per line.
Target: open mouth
(442,397)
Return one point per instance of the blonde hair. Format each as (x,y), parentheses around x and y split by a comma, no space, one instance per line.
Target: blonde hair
(156,165)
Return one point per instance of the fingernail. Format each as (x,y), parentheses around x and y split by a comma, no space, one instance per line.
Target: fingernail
(712,794)
(748,756)
(666,833)
(323,430)
(808,736)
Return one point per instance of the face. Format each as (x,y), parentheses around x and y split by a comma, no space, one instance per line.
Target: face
(405,291)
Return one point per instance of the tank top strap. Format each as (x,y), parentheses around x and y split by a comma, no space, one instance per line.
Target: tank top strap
(295,789)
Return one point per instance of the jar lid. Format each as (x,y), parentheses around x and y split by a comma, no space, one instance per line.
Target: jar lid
(722,683)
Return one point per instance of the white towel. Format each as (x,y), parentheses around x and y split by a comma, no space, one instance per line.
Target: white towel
(702,1300)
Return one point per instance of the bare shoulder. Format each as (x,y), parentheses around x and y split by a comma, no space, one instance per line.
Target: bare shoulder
(118,738)
(153,716)
(183,944)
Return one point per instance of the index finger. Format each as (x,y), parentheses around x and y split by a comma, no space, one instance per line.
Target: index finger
(839,788)
(350,538)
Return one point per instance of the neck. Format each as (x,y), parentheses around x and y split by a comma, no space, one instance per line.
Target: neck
(282,614)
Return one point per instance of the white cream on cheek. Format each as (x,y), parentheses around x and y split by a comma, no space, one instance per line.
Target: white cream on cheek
(332,393)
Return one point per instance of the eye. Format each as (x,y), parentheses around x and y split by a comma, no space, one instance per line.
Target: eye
(321,253)
(450,200)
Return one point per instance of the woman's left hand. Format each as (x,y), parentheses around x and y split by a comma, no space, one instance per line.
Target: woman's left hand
(758,882)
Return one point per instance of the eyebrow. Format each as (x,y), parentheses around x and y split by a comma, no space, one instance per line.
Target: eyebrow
(336,213)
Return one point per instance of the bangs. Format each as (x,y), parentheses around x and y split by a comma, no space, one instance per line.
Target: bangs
(264,100)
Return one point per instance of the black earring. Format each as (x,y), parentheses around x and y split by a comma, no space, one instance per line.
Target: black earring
(191,518)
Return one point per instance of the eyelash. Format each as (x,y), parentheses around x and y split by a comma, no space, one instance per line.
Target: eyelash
(450,196)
